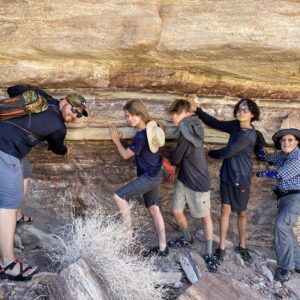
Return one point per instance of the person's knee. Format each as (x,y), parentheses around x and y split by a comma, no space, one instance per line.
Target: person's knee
(242,214)
(206,220)
(177,213)
(225,210)
(154,210)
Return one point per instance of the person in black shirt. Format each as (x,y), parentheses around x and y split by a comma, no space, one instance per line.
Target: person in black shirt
(236,170)
(192,188)
(17,137)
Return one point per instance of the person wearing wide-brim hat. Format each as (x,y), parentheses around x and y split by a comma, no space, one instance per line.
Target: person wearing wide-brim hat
(287,174)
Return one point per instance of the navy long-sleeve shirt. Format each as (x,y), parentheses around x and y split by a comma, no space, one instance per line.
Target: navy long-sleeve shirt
(237,155)
(49,125)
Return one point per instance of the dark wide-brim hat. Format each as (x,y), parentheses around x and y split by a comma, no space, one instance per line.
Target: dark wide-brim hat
(279,134)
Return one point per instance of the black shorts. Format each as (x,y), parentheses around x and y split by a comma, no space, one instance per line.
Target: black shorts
(235,197)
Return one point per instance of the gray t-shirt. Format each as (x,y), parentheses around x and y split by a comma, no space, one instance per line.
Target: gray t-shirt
(190,157)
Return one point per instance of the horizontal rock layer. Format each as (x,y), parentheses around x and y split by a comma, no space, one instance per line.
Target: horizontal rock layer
(247,48)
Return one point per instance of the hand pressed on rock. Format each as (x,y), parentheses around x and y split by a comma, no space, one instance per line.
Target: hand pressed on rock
(114,133)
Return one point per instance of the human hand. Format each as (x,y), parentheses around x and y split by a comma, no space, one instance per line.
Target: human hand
(192,100)
(260,153)
(69,154)
(273,174)
(114,133)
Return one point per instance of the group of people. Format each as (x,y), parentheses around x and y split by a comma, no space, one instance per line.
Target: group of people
(192,187)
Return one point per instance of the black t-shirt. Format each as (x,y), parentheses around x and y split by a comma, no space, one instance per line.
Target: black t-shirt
(237,155)
(193,171)
(147,163)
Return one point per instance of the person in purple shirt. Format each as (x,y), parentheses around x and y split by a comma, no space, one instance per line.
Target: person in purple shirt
(149,172)
(236,170)
(287,174)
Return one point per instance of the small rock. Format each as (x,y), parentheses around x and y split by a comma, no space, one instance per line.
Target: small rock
(265,271)
(178,285)
(238,260)
(277,285)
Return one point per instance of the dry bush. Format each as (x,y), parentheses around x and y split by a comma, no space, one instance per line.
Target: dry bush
(106,245)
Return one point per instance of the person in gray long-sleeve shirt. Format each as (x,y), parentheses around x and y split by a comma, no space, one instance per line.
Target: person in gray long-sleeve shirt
(193,184)
(236,170)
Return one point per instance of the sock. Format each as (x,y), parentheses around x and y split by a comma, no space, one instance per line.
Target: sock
(208,247)
(187,235)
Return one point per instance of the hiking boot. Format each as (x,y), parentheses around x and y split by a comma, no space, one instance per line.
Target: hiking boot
(219,255)
(244,252)
(282,275)
(181,242)
(211,263)
(155,251)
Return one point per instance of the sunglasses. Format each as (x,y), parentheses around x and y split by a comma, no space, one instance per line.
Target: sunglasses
(74,110)
(290,140)
(244,110)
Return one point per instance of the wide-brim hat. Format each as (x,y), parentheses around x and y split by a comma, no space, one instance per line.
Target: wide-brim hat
(77,101)
(155,136)
(279,134)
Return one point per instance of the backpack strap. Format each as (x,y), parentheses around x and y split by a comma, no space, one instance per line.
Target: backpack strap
(37,137)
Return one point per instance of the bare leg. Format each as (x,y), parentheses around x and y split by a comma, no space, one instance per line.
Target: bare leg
(208,227)
(124,208)
(159,225)
(242,226)
(8,219)
(26,187)
(180,219)
(224,223)
(7,231)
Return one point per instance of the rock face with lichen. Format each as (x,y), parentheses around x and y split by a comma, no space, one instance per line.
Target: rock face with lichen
(155,51)
(234,48)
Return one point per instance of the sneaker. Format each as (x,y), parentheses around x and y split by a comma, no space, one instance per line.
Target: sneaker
(244,252)
(180,243)
(211,263)
(219,255)
(282,275)
(155,251)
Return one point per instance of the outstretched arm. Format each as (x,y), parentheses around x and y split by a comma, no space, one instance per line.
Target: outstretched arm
(231,149)
(116,137)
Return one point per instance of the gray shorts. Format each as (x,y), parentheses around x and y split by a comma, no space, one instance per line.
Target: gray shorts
(143,185)
(11,181)
(198,202)
(27,167)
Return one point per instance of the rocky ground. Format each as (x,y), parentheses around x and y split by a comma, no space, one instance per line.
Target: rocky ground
(33,243)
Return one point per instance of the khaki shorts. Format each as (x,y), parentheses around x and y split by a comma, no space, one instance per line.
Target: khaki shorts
(198,202)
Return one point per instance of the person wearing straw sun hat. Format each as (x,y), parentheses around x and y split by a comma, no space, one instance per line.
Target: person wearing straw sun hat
(287,189)
(144,146)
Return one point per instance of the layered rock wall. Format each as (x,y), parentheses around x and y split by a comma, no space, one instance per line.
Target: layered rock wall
(233,48)
(156,51)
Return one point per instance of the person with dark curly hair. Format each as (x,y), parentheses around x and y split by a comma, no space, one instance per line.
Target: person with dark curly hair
(236,170)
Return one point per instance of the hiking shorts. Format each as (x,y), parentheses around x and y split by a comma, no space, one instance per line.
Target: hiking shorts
(235,197)
(198,202)
(11,181)
(27,168)
(143,185)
